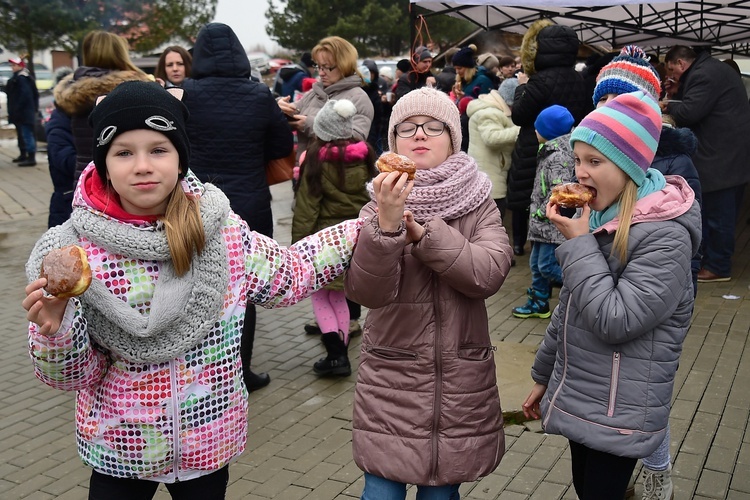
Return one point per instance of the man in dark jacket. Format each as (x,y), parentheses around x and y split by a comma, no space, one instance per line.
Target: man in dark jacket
(548,53)
(23,104)
(289,78)
(714,106)
(420,75)
(235,128)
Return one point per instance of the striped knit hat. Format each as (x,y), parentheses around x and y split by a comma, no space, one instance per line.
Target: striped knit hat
(626,130)
(628,72)
(428,102)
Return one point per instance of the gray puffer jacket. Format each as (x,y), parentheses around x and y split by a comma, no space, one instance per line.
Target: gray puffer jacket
(613,344)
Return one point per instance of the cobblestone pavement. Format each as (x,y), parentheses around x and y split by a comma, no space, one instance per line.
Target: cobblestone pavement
(299,444)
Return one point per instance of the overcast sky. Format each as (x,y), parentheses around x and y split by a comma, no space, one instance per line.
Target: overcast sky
(248,19)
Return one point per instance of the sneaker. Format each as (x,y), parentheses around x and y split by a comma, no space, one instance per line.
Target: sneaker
(706,276)
(354,328)
(537,306)
(657,484)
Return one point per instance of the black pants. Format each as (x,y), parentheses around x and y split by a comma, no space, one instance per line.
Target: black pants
(520,220)
(598,475)
(209,487)
(248,338)
(355,310)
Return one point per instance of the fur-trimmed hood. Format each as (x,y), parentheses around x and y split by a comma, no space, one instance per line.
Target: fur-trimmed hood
(676,141)
(548,45)
(77,93)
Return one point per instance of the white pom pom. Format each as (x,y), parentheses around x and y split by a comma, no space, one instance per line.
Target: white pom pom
(345,108)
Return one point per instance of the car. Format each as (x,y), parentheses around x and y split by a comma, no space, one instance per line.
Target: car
(277,63)
(260,61)
(45,80)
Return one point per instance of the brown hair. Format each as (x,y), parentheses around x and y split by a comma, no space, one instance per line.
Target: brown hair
(680,52)
(161,66)
(344,54)
(107,51)
(628,197)
(185,233)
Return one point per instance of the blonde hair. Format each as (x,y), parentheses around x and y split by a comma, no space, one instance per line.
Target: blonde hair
(628,197)
(185,233)
(107,51)
(468,76)
(344,54)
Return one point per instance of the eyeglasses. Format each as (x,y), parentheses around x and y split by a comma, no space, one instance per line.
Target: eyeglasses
(432,128)
(327,69)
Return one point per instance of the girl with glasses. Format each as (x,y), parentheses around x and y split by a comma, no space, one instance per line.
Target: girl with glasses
(426,406)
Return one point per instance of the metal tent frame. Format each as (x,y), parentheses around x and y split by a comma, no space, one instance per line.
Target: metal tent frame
(725,26)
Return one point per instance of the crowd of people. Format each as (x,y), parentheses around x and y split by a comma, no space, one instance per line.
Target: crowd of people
(161,180)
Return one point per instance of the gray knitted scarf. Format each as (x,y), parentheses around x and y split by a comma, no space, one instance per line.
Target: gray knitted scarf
(448,191)
(183,309)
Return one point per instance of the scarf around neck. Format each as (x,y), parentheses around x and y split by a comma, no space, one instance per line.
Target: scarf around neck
(183,309)
(654,182)
(448,191)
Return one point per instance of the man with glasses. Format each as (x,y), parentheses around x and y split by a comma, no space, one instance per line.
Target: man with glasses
(420,75)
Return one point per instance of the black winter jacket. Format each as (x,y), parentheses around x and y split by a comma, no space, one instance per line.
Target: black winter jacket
(23,98)
(235,126)
(714,106)
(549,63)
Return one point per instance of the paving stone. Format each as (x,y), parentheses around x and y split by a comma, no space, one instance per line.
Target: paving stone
(713,484)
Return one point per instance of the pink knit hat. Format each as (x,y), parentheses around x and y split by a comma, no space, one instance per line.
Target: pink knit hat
(426,102)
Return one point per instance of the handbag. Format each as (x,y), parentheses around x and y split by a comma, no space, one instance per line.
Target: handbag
(280,169)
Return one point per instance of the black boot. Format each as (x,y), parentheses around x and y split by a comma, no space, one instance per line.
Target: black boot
(21,157)
(337,361)
(30,161)
(253,381)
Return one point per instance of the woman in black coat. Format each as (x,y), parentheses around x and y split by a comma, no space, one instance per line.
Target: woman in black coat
(235,129)
(548,54)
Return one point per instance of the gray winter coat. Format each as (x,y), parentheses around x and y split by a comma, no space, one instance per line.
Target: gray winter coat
(715,107)
(613,344)
(555,165)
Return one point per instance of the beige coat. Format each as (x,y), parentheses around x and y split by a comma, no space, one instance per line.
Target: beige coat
(426,405)
(492,137)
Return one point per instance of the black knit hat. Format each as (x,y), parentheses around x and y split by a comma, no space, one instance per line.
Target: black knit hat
(465,57)
(139,105)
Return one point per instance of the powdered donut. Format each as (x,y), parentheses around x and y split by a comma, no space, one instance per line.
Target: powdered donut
(571,195)
(390,162)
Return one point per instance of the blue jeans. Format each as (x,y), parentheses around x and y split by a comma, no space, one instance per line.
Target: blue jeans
(720,211)
(378,488)
(545,269)
(29,141)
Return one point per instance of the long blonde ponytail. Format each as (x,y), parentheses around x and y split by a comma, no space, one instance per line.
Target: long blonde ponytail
(185,233)
(627,203)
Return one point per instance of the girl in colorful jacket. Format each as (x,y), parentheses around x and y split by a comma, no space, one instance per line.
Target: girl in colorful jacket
(426,406)
(152,347)
(604,372)
(331,189)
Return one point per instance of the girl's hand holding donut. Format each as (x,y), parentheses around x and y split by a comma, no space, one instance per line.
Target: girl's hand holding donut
(46,311)
(391,190)
(570,228)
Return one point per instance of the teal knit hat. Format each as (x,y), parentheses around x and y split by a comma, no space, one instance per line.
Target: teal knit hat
(626,130)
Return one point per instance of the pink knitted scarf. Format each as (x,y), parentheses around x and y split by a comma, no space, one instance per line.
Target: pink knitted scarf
(449,191)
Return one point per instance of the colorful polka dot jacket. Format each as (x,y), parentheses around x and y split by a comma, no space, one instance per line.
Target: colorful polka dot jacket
(185,417)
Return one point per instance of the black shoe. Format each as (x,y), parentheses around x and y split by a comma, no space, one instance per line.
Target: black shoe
(30,161)
(518,250)
(312,328)
(255,381)
(22,157)
(337,361)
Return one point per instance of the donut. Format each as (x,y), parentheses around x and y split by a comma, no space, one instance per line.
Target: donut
(392,162)
(571,195)
(67,272)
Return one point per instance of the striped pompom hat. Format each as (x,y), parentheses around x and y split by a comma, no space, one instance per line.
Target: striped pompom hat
(628,72)
(626,130)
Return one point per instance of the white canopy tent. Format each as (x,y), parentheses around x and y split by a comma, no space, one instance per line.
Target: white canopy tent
(724,25)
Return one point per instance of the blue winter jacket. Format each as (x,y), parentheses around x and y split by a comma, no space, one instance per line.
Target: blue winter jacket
(61,154)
